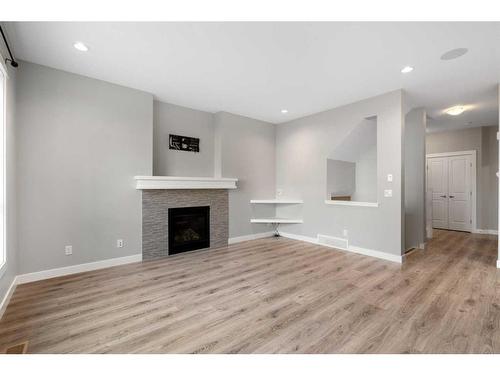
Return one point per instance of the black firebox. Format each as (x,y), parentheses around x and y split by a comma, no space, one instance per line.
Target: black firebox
(188,229)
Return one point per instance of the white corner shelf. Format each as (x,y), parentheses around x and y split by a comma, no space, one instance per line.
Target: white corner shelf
(351,203)
(276,201)
(276,220)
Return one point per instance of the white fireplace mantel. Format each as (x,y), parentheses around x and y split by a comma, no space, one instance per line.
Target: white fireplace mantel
(173,182)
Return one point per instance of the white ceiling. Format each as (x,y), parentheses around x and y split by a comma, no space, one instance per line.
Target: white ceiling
(257,69)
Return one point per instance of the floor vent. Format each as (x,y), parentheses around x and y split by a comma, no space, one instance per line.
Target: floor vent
(336,242)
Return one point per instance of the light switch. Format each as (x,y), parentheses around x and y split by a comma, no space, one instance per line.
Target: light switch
(388,193)
(389,177)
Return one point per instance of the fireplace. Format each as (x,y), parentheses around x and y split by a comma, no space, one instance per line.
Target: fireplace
(188,229)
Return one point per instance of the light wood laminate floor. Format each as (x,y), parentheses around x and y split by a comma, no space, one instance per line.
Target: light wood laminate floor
(271,296)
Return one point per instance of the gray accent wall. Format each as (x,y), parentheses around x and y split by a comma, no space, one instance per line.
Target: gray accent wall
(173,119)
(366,176)
(414,163)
(489,168)
(11,266)
(483,140)
(247,152)
(303,145)
(80,143)
(230,146)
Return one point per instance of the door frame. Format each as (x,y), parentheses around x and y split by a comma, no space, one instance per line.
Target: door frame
(472,154)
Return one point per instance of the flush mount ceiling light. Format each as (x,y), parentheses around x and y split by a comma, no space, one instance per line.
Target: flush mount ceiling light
(284,111)
(454,53)
(80,46)
(407,69)
(455,111)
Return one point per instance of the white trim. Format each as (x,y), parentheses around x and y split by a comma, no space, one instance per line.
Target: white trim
(277,201)
(474,177)
(3,177)
(452,153)
(486,231)
(376,254)
(174,182)
(300,237)
(351,248)
(249,237)
(351,203)
(276,220)
(63,271)
(8,295)
(498,263)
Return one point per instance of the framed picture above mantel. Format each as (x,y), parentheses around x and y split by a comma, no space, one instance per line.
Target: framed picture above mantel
(182,143)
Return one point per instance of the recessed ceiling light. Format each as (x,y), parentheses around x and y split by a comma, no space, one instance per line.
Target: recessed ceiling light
(284,111)
(456,110)
(454,53)
(80,46)
(407,69)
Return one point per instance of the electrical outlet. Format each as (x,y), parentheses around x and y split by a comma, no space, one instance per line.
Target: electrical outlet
(345,232)
(388,193)
(68,250)
(119,243)
(389,178)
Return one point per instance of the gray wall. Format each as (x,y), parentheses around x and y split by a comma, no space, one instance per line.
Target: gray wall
(366,176)
(80,143)
(172,119)
(414,163)
(247,152)
(302,147)
(230,146)
(11,266)
(489,180)
(483,140)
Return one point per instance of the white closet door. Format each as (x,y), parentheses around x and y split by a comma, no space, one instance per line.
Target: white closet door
(437,182)
(459,196)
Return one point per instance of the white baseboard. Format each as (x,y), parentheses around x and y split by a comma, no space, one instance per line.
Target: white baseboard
(249,237)
(351,248)
(299,237)
(6,298)
(485,231)
(376,254)
(63,271)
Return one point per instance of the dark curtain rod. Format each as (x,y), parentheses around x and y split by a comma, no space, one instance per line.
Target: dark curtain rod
(12,61)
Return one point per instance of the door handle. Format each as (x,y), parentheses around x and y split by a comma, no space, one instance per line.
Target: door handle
(443,196)
(452,196)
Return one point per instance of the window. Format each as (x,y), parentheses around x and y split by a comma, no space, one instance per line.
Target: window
(3,79)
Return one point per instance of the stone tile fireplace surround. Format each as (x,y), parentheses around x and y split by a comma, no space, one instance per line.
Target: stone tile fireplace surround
(155,205)
(161,193)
